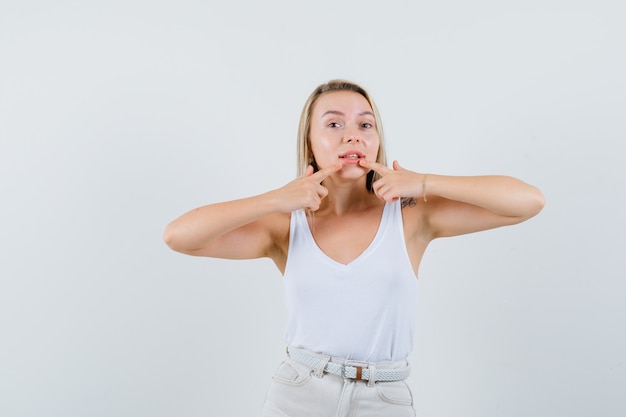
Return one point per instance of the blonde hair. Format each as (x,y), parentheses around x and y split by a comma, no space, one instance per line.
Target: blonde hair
(305,155)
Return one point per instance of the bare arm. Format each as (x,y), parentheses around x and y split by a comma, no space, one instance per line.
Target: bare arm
(239,229)
(246,228)
(458,205)
(467,204)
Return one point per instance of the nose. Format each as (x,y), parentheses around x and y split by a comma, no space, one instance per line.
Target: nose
(351,136)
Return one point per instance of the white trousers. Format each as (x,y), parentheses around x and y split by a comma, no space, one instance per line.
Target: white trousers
(297,390)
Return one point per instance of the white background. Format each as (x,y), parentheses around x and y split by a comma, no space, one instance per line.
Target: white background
(118,116)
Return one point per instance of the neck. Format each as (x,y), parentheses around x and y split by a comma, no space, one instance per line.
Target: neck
(344,198)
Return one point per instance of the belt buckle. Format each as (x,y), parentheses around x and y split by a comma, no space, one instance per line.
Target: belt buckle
(358,369)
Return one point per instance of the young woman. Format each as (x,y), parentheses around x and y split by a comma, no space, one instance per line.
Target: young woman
(348,235)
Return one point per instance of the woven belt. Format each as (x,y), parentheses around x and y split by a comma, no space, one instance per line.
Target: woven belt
(359,373)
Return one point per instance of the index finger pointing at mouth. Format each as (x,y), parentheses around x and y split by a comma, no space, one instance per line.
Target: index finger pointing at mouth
(375,166)
(323,173)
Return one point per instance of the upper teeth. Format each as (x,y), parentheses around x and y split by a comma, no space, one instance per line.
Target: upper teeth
(352,155)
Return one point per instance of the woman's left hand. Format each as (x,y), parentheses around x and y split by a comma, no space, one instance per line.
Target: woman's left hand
(395,183)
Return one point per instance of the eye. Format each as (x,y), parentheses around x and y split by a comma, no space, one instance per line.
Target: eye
(367,125)
(333,124)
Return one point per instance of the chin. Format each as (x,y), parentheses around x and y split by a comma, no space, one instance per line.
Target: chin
(353,171)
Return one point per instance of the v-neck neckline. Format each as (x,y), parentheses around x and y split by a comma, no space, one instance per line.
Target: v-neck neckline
(382,223)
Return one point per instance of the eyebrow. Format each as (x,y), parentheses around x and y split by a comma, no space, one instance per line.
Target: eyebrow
(364,113)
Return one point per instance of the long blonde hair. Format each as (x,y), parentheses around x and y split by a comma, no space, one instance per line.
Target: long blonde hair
(305,155)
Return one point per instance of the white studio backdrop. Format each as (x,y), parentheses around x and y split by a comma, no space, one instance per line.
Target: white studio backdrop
(118,116)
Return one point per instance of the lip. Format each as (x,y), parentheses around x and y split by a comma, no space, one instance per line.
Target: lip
(351,157)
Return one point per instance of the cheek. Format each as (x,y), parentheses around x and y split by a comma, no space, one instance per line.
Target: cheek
(321,145)
(375,146)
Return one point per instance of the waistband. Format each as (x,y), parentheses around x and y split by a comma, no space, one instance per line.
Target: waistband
(350,369)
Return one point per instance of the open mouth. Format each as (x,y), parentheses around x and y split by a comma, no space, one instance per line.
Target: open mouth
(351,156)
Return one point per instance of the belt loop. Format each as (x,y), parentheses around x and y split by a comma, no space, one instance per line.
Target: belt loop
(318,371)
(372,377)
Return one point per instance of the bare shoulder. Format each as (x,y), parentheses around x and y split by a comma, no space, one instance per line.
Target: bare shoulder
(408,202)
(278,225)
(413,217)
(416,231)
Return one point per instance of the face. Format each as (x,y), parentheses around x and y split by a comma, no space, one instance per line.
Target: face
(343,129)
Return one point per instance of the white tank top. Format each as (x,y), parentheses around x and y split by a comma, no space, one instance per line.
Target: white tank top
(363,311)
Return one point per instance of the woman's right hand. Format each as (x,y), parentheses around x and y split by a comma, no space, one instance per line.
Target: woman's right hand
(305,192)
(247,228)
